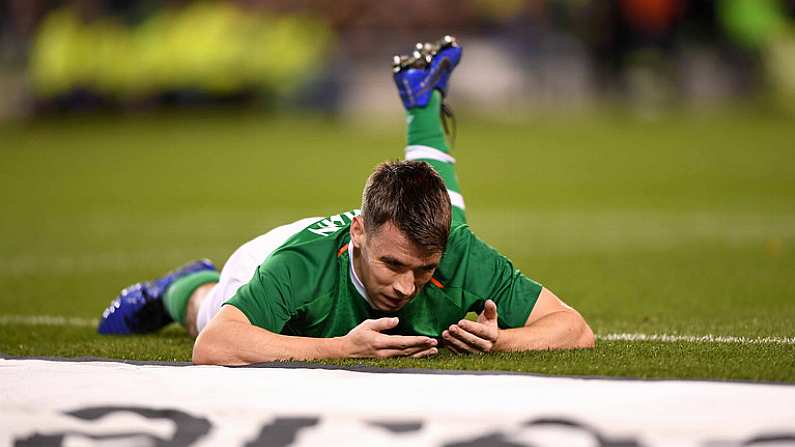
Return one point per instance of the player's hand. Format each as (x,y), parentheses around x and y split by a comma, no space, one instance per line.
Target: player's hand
(366,340)
(474,336)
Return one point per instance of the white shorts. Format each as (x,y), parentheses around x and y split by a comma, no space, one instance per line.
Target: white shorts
(241,266)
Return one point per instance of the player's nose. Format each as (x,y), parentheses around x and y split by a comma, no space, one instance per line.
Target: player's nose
(404,284)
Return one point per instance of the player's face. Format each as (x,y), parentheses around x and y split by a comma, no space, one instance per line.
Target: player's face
(391,268)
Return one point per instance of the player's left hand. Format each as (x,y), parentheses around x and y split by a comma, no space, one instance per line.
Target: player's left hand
(474,336)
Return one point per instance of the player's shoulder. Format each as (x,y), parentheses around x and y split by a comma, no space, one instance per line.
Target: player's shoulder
(463,247)
(321,236)
(461,236)
(457,250)
(311,253)
(324,229)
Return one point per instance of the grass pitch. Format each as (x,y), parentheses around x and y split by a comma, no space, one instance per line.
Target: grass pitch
(683,225)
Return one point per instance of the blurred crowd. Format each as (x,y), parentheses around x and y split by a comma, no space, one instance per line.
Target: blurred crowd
(114,54)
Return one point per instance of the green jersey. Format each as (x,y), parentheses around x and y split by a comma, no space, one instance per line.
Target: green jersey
(307,286)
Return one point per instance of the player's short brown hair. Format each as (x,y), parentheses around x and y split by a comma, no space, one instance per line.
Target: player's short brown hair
(413,197)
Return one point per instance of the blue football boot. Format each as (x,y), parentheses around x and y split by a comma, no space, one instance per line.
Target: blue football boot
(428,68)
(139,308)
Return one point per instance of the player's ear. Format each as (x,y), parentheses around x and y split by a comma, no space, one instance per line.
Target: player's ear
(357,232)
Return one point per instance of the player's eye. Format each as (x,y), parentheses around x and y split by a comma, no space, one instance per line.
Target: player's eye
(394,265)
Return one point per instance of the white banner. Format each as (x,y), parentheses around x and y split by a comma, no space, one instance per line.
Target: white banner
(102,403)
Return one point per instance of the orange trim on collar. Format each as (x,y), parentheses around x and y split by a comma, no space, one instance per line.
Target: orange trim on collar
(342,250)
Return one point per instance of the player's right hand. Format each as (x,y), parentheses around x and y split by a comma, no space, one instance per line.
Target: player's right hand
(367,341)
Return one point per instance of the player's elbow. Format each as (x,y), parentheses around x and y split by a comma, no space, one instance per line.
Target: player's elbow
(208,350)
(202,351)
(580,334)
(576,333)
(586,340)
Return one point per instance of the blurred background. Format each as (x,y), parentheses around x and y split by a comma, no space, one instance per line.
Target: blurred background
(331,55)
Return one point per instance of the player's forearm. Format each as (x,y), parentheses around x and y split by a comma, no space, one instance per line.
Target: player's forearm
(559,330)
(236,343)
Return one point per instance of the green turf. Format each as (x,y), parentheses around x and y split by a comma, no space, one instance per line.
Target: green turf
(683,225)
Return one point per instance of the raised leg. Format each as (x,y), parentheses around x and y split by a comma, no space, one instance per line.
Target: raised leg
(422,79)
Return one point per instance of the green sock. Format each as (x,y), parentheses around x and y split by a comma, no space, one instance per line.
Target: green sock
(178,294)
(426,142)
(425,124)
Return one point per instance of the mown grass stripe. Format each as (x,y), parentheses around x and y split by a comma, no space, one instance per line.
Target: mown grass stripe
(54,320)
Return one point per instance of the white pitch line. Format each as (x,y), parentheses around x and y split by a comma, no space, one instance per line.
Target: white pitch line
(52,320)
(666,338)
(47,320)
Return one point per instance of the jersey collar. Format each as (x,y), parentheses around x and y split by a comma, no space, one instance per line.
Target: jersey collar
(357,283)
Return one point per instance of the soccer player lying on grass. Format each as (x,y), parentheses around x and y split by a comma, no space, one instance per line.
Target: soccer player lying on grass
(395,279)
